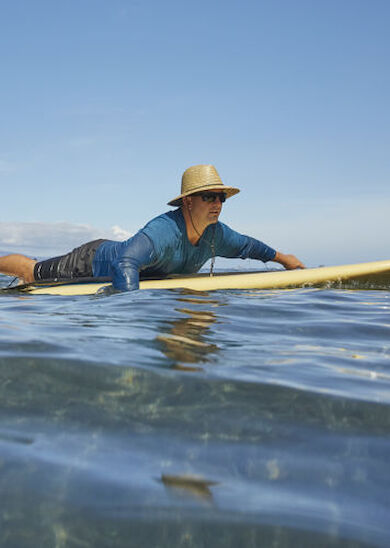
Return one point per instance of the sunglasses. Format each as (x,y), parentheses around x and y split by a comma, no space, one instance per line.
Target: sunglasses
(210,197)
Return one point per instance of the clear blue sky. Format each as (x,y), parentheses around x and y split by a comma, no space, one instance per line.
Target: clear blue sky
(105,103)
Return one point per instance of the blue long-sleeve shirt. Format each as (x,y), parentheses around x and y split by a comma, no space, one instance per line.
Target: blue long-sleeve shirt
(162,247)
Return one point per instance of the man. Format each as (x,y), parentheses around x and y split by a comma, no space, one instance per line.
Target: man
(177,242)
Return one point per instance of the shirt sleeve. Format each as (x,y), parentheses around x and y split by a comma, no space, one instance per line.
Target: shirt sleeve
(138,253)
(233,244)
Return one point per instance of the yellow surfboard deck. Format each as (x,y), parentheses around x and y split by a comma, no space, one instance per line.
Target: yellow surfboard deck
(362,272)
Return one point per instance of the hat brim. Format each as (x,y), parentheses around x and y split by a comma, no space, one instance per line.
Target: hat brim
(228,190)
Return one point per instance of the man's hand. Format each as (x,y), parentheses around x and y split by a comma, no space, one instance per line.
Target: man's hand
(290,262)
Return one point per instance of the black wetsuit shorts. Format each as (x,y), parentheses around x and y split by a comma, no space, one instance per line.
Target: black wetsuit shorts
(76,264)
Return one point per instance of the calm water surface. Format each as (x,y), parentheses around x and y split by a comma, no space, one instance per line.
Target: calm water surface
(184,419)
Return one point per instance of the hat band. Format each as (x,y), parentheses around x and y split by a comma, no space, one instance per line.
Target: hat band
(213,185)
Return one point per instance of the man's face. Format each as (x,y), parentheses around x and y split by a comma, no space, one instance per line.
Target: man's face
(204,211)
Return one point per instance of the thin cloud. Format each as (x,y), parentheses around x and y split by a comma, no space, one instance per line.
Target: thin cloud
(52,238)
(6,167)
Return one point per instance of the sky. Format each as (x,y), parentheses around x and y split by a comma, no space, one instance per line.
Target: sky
(105,104)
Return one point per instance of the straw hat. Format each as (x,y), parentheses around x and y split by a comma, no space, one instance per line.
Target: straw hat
(202,177)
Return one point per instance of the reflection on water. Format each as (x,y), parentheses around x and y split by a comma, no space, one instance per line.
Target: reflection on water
(186,419)
(185,341)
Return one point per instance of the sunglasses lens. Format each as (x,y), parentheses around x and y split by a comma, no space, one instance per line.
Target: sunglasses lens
(212,196)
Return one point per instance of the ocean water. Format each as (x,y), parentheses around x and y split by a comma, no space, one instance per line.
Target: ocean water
(187,419)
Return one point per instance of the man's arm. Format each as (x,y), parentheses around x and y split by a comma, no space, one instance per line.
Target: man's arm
(234,244)
(138,253)
(290,262)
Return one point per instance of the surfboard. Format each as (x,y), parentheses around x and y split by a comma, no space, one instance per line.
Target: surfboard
(377,272)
